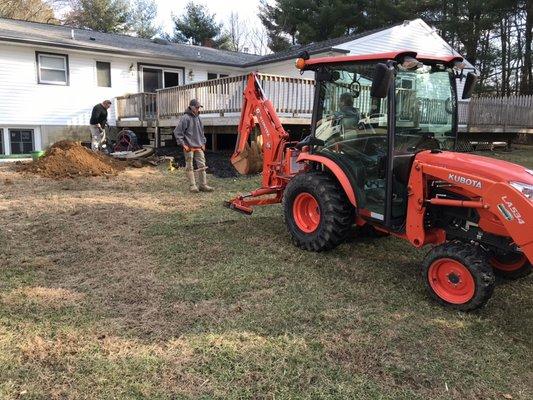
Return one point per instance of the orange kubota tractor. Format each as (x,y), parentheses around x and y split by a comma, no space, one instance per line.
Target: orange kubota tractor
(378,156)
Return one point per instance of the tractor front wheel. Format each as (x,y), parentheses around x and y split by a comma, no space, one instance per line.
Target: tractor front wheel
(317,212)
(458,275)
(510,265)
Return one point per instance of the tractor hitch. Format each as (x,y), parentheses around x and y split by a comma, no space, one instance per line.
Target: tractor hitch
(232,205)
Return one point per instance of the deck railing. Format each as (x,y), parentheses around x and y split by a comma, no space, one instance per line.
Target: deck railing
(224,95)
(513,111)
(142,106)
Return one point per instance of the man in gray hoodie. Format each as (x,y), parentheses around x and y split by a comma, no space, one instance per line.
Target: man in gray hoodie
(189,133)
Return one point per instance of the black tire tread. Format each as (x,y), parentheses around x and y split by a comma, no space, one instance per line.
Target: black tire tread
(337,213)
(475,260)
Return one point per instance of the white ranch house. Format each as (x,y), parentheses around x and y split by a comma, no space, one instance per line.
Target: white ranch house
(51,76)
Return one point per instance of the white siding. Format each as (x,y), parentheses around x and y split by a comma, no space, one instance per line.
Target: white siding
(24,102)
(283,68)
(287,67)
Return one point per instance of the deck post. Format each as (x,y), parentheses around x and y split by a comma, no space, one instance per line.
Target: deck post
(214,142)
(157,137)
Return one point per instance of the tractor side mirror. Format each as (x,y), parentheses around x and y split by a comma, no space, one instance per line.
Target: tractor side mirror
(383,78)
(471,80)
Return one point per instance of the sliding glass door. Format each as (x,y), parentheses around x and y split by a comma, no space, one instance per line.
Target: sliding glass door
(153,78)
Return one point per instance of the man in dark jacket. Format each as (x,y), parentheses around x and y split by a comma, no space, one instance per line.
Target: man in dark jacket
(189,133)
(98,122)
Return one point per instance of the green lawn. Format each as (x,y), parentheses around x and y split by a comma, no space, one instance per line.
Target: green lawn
(133,288)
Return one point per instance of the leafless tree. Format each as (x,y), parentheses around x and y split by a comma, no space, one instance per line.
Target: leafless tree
(245,36)
(28,10)
(258,40)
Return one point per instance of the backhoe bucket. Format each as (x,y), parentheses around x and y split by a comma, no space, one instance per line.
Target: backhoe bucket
(249,161)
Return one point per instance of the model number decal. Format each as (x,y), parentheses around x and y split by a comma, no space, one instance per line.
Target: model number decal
(464,181)
(512,209)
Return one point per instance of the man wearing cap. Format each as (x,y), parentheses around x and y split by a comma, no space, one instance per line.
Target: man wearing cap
(189,133)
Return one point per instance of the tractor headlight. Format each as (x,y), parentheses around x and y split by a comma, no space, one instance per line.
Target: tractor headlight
(524,188)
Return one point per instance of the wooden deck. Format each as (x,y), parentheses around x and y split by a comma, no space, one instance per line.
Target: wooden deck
(222,100)
(293,99)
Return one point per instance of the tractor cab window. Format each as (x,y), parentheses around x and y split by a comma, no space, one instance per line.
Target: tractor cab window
(425,104)
(353,127)
(346,109)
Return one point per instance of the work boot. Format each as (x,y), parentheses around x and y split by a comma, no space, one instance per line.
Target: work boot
(192,182)
(204,187)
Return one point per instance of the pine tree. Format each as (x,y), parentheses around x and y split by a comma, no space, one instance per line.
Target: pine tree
(109,16)
(198,26)
(143,14)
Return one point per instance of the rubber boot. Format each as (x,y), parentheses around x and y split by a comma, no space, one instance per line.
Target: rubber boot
(192,182)
(204,187)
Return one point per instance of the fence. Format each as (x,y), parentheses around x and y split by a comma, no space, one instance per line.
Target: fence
(514,111)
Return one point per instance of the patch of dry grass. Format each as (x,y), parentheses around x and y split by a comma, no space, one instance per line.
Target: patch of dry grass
(46,297)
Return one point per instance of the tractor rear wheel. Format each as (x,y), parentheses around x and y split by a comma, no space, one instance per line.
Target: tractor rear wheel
(458,275)
(317,212)
(510,265)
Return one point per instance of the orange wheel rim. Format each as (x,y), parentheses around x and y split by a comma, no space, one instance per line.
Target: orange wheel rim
(510,265)
(451,281)
(306,212)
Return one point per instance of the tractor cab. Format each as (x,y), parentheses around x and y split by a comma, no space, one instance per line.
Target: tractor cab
(372,116)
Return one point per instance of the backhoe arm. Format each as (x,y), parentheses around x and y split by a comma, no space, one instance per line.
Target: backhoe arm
(256,108)
(266,154)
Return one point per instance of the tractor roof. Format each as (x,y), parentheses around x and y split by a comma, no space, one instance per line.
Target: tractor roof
(395,55)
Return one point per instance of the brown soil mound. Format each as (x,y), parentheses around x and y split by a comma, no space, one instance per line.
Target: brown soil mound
(68,159)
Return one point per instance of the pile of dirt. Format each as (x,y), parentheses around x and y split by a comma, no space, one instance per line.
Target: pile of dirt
(68,159)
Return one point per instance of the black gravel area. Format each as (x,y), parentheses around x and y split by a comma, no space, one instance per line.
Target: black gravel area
(218,163)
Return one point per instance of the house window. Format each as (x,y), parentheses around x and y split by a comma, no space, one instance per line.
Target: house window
(103,74)
(2,151)
(52,69)
(171,78)
(212,75)
(21,141)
